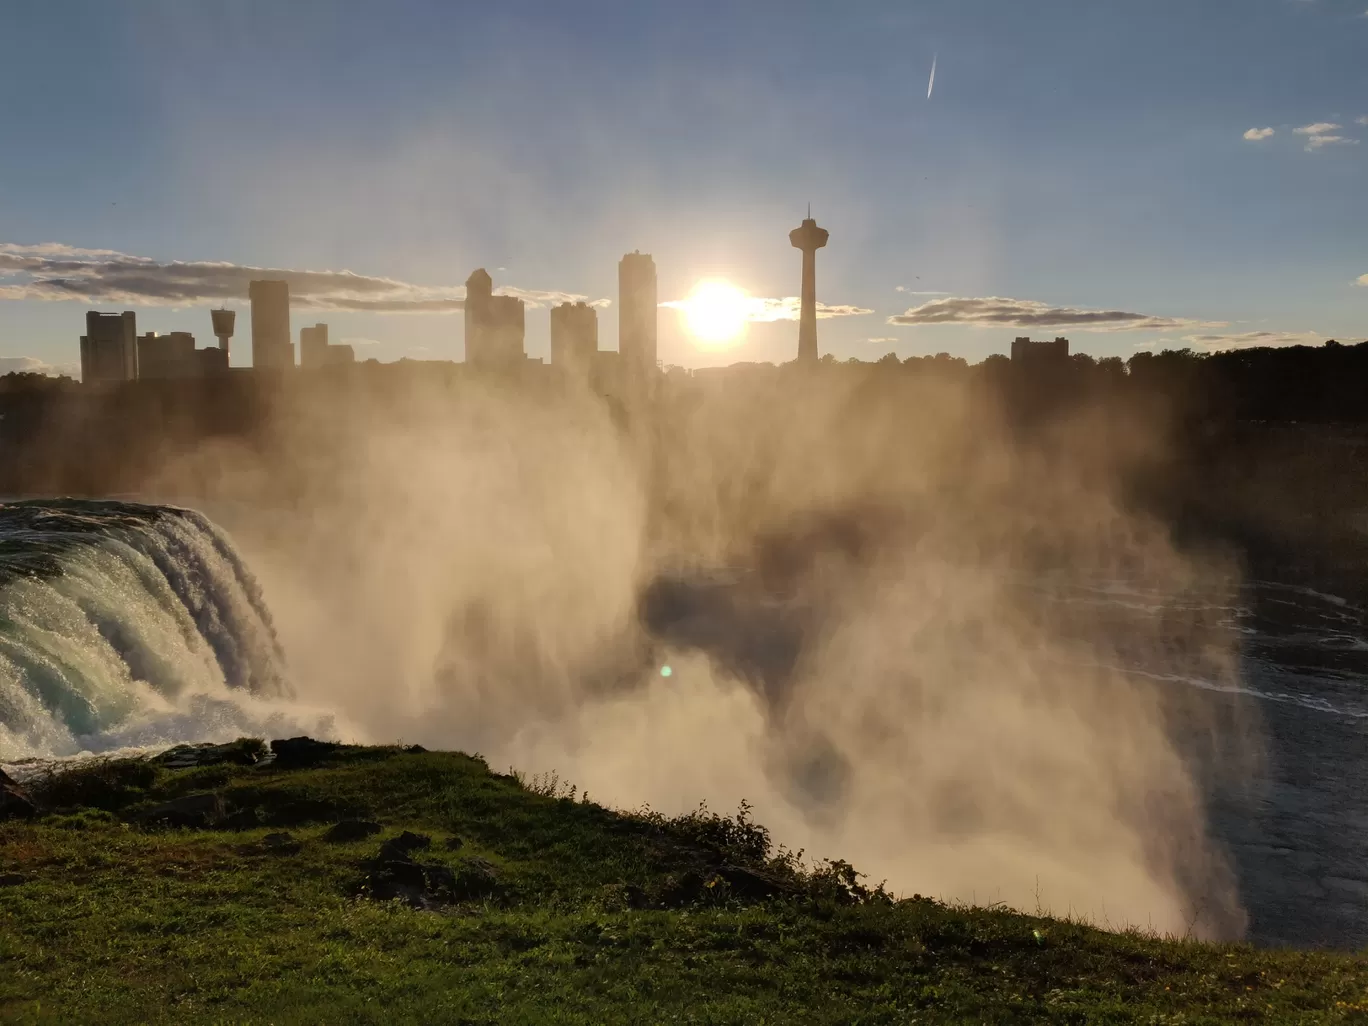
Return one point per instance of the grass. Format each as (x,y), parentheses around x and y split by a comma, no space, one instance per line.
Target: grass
(597,917)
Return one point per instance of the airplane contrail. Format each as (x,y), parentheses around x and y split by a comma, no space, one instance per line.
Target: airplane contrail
(932,84)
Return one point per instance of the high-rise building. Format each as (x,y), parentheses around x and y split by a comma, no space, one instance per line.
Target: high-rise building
(109,348)
(637,317)
(494,325)
(809,238)
(272,347)
(574,337)
(313,346)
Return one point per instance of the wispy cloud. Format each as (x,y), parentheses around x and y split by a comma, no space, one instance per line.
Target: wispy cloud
(908,290)
(1001,312)
(54,272)
(1255,339)
(1323,133)
(881,341)
(1364,119)
(1362,279)
(1257,134)
(761,310)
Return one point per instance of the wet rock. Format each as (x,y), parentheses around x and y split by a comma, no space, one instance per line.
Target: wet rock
(14,800)
(192,810)
(397,849)
(351,830)
(294,752)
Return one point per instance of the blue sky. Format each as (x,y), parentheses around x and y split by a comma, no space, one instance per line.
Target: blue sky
(1076,156)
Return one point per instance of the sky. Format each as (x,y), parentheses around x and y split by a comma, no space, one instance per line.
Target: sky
(1131,175)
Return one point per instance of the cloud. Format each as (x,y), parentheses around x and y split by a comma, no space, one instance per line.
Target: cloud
(1362,279)
(1362,120)
(912,292)
(761,310)
(1253,339)
(1256,134)
(1322,133)
(361,342)
(881,340)
(52,271)
(33,365)
(997,311)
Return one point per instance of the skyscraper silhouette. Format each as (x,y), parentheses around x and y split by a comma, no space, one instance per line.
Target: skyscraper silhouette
(637,318)
(272,345)
(809,238)
(109,348)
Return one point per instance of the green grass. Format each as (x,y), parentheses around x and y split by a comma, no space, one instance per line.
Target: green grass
(599,917)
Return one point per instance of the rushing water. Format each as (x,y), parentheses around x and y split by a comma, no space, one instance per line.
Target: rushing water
(126,625)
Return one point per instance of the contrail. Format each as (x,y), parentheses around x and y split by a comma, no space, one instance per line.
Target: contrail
(932,84)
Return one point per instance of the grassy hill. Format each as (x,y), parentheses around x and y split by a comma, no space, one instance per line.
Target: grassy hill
(250,891)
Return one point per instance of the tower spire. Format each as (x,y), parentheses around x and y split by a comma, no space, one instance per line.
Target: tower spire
(809,238)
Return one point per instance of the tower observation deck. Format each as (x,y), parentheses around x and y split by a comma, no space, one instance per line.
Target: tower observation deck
(809,238)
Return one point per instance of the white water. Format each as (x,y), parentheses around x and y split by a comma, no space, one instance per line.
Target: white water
(124,626)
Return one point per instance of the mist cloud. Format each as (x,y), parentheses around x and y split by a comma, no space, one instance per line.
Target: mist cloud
(998,311)
(55,272)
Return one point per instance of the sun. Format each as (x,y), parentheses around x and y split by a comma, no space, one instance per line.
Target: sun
(715,312)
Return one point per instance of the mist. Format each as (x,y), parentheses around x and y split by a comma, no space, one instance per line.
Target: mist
(908,635)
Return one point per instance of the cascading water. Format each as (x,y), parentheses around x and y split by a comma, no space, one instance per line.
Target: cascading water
(129,625)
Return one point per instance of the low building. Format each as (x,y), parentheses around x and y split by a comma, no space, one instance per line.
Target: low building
(1024,349)
(316,351)
(574,338)
(173,355)
(495,326)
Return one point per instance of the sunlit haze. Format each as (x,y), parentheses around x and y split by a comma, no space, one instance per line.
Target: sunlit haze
(716,313)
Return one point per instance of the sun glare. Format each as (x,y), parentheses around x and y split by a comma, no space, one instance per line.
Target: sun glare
(715,312)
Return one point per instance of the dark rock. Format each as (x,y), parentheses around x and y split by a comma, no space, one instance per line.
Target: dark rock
(404,880)
(301,751)
(245,751)
(281,844)
(397,849)
(351,830)
(475,878)
(415,749)
(191,810)
(242,819)
(454,844)
(12,879)
(14,801)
